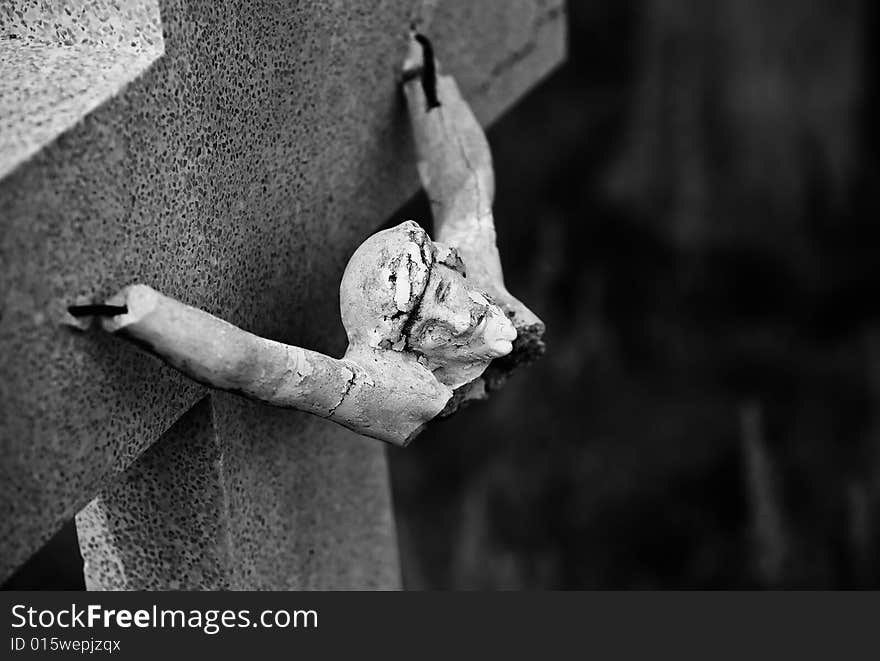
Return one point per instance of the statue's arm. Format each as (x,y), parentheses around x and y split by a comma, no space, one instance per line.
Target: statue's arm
(377,398)
(455,167)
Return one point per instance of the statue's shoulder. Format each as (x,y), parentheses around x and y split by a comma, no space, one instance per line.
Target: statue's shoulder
(392,394)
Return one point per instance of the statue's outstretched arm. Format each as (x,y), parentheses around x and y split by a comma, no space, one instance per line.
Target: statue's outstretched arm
(379,394)
(455,166)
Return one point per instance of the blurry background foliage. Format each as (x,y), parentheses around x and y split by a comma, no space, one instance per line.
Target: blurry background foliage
(690,203)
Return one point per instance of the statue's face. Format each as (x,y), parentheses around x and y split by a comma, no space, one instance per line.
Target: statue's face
(456,322)
(402,292)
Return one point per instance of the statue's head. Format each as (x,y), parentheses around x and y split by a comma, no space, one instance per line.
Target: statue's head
(403,292)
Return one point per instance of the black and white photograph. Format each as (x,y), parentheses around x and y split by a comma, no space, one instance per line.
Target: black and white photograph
(436,296)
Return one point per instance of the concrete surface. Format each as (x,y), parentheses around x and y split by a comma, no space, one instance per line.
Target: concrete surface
(240,496)
(59,60)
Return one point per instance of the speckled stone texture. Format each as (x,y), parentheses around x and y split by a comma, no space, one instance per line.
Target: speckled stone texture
(238,172)
(154,522)
(240,496)
(59,59)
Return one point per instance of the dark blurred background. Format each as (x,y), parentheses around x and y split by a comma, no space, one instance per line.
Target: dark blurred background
(690,204)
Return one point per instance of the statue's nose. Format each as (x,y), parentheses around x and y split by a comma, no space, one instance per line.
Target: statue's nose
(499,333)
(509,331)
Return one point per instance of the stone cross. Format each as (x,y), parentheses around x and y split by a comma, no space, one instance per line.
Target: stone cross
(232,154)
